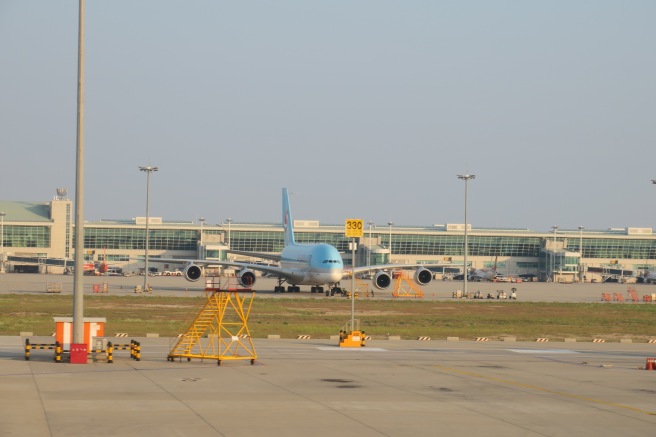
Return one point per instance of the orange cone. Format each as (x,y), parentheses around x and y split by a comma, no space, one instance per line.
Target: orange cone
(650,364)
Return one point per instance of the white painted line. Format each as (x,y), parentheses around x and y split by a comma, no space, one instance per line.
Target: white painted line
(363,349)
(543,351)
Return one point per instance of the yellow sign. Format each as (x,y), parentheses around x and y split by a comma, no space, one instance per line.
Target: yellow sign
(354,228)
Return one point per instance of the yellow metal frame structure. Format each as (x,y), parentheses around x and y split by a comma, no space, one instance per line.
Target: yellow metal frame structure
(406,287)
(220,330)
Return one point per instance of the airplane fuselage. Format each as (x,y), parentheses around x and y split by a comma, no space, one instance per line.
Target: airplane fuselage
(312,264)
(649,278)
(483,275)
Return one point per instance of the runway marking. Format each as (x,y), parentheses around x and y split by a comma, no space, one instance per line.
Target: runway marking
(363,349)
(543,351)
(543,389)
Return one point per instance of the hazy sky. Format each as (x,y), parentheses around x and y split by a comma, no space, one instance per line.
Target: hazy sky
(364,109)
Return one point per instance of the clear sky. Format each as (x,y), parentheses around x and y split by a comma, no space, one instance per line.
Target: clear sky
(364,109)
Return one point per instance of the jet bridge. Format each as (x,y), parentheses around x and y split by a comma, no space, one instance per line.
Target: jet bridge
(611,273)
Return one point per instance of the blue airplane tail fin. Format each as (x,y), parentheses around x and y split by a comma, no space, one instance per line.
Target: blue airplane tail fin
(287,222)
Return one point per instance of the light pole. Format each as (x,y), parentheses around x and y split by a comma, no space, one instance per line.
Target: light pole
(580,254)
(370,223)
(148,169)
(390,240)
(2,242)
(78,235)
(466,178)
(653,181)
(228,220)
(553,255)
(201,220)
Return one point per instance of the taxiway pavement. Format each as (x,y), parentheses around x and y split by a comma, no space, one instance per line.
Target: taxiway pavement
(313,387)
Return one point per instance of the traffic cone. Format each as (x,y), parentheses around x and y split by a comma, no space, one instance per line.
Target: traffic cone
(650,364)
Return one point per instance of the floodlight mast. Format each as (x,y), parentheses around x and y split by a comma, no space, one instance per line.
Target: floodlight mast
(370,223)
(553,254)
(2,241)
(201,220)
(466,178)
(390,224)
(229,221)
(581,254)
(148,169)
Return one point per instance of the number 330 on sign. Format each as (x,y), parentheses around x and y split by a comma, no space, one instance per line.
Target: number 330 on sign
(354,228)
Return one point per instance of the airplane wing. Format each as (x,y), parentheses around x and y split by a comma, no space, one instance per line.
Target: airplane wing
(383,279)
(364,269)
(273,270)
(270,256)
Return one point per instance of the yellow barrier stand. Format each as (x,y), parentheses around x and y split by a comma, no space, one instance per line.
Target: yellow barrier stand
(110,352)
(352,336)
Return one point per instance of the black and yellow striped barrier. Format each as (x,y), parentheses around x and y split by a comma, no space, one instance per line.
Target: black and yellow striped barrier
(134,347)
(43,346)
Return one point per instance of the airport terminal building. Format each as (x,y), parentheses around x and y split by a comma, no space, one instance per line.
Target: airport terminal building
(38,237)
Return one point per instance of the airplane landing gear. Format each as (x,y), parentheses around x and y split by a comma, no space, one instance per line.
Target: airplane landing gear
(336,290)
(290,289)
(279,288)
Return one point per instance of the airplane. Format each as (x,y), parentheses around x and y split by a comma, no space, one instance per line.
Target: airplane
(484,274)
(103,267)
(315,264)
(649,277)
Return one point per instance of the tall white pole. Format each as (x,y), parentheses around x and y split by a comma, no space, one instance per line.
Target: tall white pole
(465,278)
(229,220)
(202,222)
(553,255)
(147,230)
(148,169)
(78,278)
(466,178)
(580,254)
(390,241)
(370,223)
(2,242)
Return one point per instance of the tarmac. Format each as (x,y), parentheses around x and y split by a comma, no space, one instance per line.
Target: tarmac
(313,387)
(301,388)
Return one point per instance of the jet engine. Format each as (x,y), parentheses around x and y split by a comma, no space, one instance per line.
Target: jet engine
(192,272)
(246,277)
(382,280)
(423,276)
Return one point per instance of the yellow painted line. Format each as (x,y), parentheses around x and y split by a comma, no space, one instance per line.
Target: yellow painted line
(543,389)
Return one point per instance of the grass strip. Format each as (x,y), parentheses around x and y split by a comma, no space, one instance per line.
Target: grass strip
(322,317)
